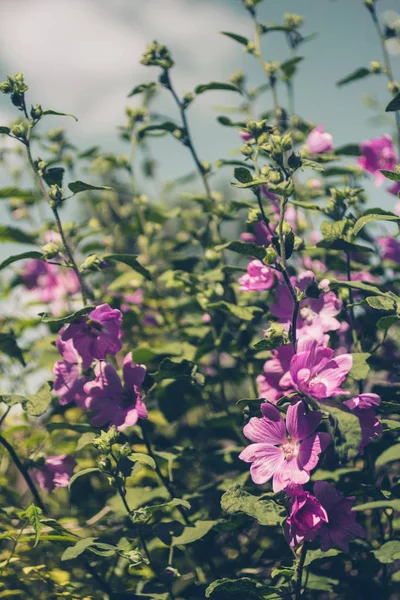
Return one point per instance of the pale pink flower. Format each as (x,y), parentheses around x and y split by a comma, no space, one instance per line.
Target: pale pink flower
(258,278)
(377,154)
(285,459)
(319,141)
(364,406)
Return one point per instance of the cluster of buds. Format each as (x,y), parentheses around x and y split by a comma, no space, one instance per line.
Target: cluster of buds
(40,166)
(341,199)
(187,99)
(237,78)
(136,115)
(394,87)
(292,21)
(20,128)
(50,250)
(93,263)
(16,87)
(56,194)
(157,55)
(251,4)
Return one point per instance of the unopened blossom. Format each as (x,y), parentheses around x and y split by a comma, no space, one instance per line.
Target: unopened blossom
(68,379)
(377,154)
(285,454)
(319,141)
(314,370)
(96,335)
(55,472)
(390,248)
(258,278)
(364,407)
(115,403)
(245,136)
(306,517)
(341,527)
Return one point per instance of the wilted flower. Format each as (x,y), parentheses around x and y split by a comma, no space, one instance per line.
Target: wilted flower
(68,380)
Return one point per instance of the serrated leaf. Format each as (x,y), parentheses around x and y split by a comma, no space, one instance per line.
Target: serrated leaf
(244,313)
(192,533)
(394,104)
(215,85)
(33,514)
(244,248)
(58,114)
(388,553)
(143,459)
(80,186)
(238,38)
(78,549)
(131,261)
(354,76)
(333,230)
(264,511)
(15,257)
(360,367)
(38,403)
(76,476)
(370,218)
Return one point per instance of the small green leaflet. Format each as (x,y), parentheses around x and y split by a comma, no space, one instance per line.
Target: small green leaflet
(244,248)
(394,104)
(357,74)
(193,533)
(22,256)
(58,114)
(238,38)
(33,515)
(81,473)
(80,186)
(131,261)
(214,85)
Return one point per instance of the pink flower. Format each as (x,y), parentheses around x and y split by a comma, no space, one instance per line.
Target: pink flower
(315,372)
(258,277)
(274,369)
(68,379)
(319,141)
(390,247)
(96,335)
(55,472)
(247,237)
(306,517)
(341,527)
(397,208)
(378,154)
(135,299)
(363,406)
(114,403)
(394,188)
(50,283)
(274,455)
(245,136)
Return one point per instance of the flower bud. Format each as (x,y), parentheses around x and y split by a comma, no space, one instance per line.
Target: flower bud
(36,112)
(246,150)
(250,48)
(157,55)
(287,142)
(92,263)
(56,135)
(265,170)
(237,78)
(292,21)
(272,67)
(56,193)
(50,250)
(104,464)
(375,66)
(270,255)
(171,573)
(394,87)
(206,166)
(19,129)
(275,176)
(177,133)
(187,99)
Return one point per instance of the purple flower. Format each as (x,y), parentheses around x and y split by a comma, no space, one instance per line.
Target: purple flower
(316,373)
(378,154)
(68,379)
(270,384)
(55,472)
(363,406)
(247,237)
(49,283)
(319,141)
(394,188)
(306,517)
(96,335)
(341,527)
(245,136)
(258,277)
(286,459)
(390,247)
(114,403)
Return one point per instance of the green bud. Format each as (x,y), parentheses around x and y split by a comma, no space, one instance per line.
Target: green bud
(394,87)
(20,129)
(275,176)
(287,142)
(250,48)
(270,255)
(91,263)
(206,166)
(56,135)
(56,193)
(104,464)
(124,450)
(265,170)
(375,66)
(178,134)
(50,250)
(5,87)
(292,21)
(157,55)
(272,67)
(188,98)
(246,150)
(369,4)
(237,78)
(36,112)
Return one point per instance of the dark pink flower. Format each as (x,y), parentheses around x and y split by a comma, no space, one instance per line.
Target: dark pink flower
(319,141)
(306,517)
(114,403)
(390,248)
(394,188)
(341,527)
(315,372)
(68,380)
(96,335)
(378,154)
(285,458)
(363,406)
(258,278)
(270,385)
(129,300)
(245,136)
(50,283)
(55,472)
(247,237)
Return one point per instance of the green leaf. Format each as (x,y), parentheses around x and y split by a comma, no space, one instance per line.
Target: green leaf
(357,285)
(391,425)
(136,497)
(392,175)
(385,322)
(244,248)
(243,175)
(46,318)
(238,38)
(289,67)
(173,503)
(192,533)
(394,104)
(346,431)
(227,122)
(22,256)
(381,303)
(166,126)
(58,114)
(388,553)
(313,555)
(142,87)
(76,476)
(306,163)
(13,234)
(85,439)
(33,515)
(131,261)
(54,176)
(357,74)
(9,346)
(394,504)
(80,186)
(332,230)
(348,150)
(78,427)
(172,369)
(244,313)
(13,192)
(360,367)
(370,218)
(241,589)
(78,549)
(4,129)
(264,511)
(214,85)
(38,403)
(143,459)
(389,455)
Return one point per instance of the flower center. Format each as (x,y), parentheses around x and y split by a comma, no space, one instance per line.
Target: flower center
(290,449)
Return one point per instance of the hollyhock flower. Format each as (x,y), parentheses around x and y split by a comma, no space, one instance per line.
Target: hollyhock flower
(245,136)
(258,277)
(96,335)
(285,458)
(55,472)
(306,517)
(341,527)
(261,233)
(319,141)
(247,237)
(315,372)
(114,403)
(390,247)
(135,299)
(363,406)
(269,382)
(68,380)
(50,283)
(394,188)
(378,154)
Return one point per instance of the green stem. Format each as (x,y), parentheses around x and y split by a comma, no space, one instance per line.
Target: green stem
(271,77)
(298,576)
(352,318)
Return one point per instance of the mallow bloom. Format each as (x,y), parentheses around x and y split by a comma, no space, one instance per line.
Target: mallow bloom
(364,407)
(315,372)
(112,402)
(377,154)
(49,283)
(269,383)
(55,472)
(319,141)
(341,527)
(68,379)
(258,278)
(96,335)
(394,188)
(306,517)
(390,248)
(286,457)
